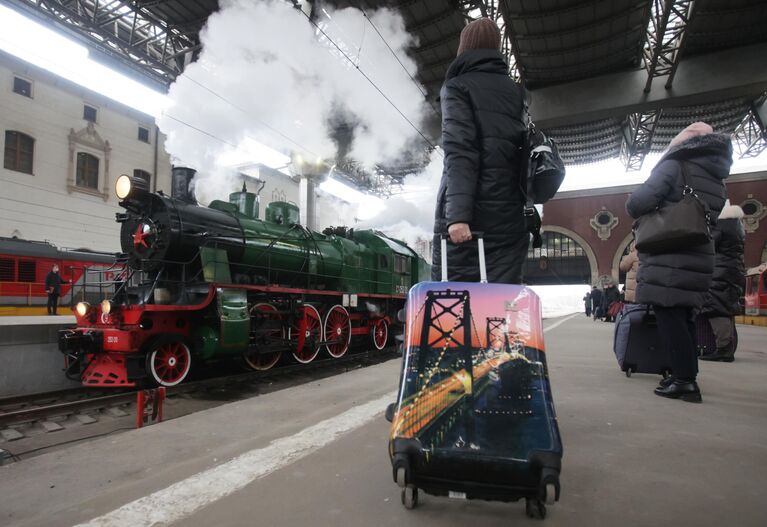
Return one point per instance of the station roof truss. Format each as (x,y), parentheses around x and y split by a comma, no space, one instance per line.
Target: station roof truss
(549,45)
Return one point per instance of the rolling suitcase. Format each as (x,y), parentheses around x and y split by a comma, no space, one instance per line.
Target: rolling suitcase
(636,342)
(705,339)
(474,417)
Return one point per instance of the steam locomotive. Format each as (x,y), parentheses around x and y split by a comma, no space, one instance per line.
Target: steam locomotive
(205,283)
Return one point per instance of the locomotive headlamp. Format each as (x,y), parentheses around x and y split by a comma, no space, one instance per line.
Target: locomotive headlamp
(123,186)
(106,306)
(82,308)
(126,186)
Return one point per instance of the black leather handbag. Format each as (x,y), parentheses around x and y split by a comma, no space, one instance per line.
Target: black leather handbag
(674,226)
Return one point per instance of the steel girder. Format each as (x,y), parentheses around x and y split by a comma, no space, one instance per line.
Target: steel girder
(638,131)
(749,138)
(665,36)
(126,31)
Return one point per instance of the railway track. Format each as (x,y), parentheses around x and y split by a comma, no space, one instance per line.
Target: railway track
(29,409)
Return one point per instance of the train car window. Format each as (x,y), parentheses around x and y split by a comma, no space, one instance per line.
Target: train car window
(19,151)
(27,270)
(7,270)
(383,262)
(400,264)
(87,170)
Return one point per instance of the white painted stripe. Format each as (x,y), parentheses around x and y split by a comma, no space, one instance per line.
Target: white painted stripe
(181,499)
(560,322)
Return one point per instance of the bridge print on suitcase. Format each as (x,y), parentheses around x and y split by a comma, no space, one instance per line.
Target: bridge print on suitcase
(475,417)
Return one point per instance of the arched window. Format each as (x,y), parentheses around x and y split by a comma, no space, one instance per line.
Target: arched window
(87,171)
(19,151)
(561,260)
(142,174)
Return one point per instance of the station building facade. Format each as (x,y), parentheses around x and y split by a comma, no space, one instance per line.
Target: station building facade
(64,146)
(586,232)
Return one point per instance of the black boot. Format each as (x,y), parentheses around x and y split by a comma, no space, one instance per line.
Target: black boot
(721,355)
(684,390)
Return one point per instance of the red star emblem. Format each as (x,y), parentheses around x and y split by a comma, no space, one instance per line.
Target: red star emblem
(139,237)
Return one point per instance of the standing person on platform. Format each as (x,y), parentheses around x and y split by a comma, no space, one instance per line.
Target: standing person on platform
(596,302)
(610,296)
(676,283)
(53,283)
(483,130)
(728,282)
(630,265)
(587,303)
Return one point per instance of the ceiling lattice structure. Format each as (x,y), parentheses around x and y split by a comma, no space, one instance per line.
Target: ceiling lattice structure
(550,45)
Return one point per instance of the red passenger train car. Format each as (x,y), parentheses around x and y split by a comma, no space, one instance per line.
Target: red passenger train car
(24,265)
(756,291)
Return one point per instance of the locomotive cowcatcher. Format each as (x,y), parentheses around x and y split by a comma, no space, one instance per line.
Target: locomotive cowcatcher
(206,283)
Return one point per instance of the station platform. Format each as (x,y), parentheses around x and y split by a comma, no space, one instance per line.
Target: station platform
(30,360)
(316,455)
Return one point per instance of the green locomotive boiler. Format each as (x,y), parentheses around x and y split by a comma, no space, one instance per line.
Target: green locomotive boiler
(203,283)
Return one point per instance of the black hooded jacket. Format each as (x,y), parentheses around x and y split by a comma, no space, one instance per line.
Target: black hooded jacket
(729,279)
(483,126)
(681,279)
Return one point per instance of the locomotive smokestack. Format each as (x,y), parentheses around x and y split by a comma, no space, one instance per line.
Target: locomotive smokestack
(181,179)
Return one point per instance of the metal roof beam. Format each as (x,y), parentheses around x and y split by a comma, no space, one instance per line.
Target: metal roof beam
(666,29)
(750,137)
(702,79)
(638,131)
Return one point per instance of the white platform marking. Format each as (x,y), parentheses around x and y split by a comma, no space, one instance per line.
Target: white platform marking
(560,322)
(184,497)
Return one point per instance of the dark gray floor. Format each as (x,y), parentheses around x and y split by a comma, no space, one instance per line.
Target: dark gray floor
(631,458)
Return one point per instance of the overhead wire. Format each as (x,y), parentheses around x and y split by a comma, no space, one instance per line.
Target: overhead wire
(367,78)
(417,84)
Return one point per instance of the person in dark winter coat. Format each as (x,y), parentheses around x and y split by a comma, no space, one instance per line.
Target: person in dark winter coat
(587,303)
(728,282)
(596,302)
(610,296)
(53,283)
(676,283)
(483,129)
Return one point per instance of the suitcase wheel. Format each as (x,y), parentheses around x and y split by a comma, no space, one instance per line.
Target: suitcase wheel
(401,480)
(535,508)
(628,372)
(550,493)
(410,497)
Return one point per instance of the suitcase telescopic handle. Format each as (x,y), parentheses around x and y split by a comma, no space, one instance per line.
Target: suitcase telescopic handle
(480,250)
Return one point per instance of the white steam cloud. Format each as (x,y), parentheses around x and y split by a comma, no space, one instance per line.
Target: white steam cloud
(410,215)
(267,75)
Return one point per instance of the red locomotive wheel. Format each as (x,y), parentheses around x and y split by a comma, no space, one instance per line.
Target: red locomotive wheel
(307,334)
(264,361)
(380,333)
(169,363)
(337,331)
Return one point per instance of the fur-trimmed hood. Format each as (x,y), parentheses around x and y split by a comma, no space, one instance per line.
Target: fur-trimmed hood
(731,212)
(713,151)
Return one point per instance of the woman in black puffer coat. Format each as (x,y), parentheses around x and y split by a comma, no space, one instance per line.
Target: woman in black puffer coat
(728,282)
(676,283)
(483,127)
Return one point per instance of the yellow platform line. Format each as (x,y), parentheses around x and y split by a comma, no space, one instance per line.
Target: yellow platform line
(751,321)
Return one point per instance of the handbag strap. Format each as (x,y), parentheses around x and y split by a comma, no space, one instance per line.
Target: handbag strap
(687,189)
